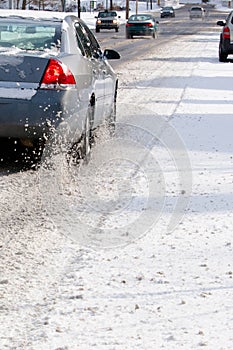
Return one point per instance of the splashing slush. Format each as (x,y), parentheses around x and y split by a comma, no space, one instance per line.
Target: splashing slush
(126,186)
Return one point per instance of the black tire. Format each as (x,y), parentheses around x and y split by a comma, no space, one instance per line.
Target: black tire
(154,35)
(128,36)
(111,120)
(117,30)
(80,151)
(97,30)
(222,54)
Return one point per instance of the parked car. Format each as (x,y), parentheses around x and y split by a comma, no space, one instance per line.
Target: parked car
(167,11)
(53,74)
(196,12)
(226,38)
(141,25)
(107,20)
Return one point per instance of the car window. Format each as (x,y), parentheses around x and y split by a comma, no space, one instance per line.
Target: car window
(30,35)
(140,18)
(229,18)
(196,9)
(83,40)
(95,48)
(79,36)
(107,14)
(86,40)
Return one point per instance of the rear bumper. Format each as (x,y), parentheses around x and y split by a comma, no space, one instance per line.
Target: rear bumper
(196,16)
(140,32)
(227,46)
(163,15)
(107,26)
(37,117)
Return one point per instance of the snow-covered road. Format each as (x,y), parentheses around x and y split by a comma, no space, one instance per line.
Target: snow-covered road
(109,267)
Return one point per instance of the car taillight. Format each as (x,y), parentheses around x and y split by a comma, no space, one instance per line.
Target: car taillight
(149,25)
(226,33)
(129,24)
(57,76)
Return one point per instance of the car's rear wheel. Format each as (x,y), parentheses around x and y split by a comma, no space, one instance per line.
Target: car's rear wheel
(222,54)
(97,30)
(112,118)
(117,29)
(80,151)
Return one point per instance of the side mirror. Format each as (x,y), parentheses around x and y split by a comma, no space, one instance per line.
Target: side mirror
(111,54)
(221,23)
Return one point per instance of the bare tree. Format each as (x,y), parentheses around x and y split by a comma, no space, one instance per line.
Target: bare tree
(22,4)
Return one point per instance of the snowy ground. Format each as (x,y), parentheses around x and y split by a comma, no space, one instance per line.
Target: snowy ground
(114,270)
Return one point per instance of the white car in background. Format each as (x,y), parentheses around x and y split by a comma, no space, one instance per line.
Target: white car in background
(196,12)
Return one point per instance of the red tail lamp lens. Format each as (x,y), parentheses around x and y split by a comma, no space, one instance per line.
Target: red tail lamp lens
(57,73)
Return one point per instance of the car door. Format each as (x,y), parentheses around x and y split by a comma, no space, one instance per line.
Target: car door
(107,75)
(92,53)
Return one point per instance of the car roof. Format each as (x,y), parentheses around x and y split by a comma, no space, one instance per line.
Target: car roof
(33,14)
(142,14)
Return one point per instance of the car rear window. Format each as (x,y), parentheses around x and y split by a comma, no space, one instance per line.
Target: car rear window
(139,18)
(196,9)
(30,35)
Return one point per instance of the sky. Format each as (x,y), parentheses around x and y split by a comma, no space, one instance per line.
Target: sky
(134,250)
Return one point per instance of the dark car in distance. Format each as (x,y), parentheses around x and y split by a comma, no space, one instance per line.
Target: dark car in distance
(141,25)
(53,74)
(226,38)
(107,20)
(167,11)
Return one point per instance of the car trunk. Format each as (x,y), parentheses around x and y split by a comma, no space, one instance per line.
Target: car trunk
(24,107)
(21,71)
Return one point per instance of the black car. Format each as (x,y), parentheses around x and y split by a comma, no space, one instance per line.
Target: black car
(167,11)
(226,38)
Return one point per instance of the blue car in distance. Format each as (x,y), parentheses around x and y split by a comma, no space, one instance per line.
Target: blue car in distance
(141,25)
